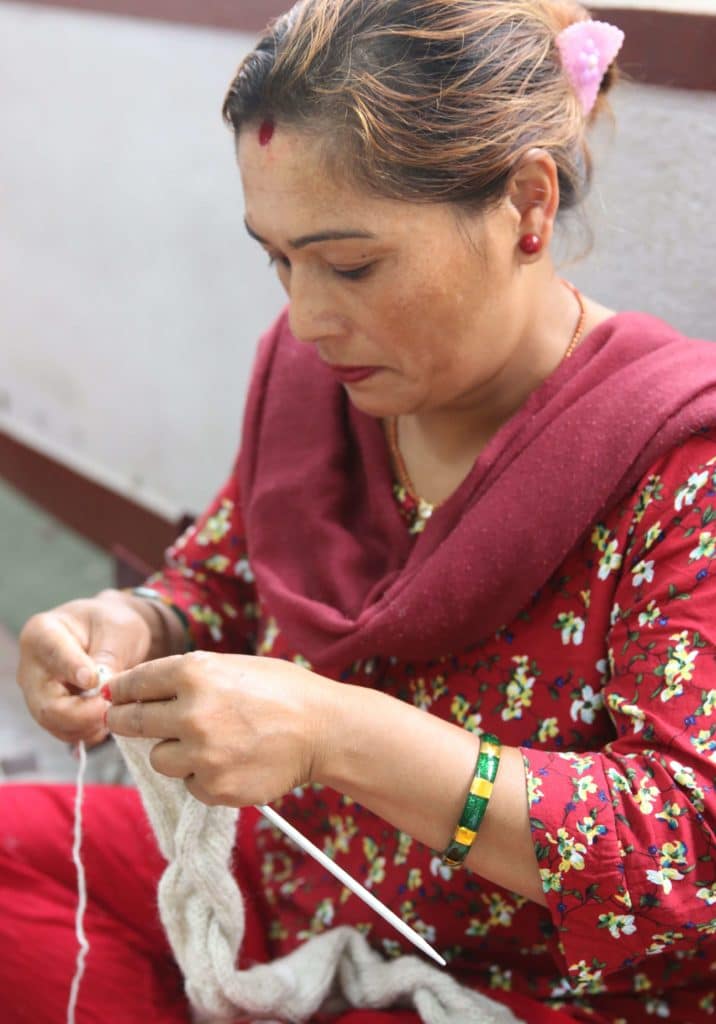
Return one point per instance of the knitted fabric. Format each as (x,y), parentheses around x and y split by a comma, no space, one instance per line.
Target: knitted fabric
(202,911)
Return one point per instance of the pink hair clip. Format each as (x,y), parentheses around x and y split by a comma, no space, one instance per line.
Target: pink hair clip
(587,49)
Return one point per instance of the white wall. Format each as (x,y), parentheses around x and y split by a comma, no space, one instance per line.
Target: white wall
(651,208)
(680,6)
(130,297)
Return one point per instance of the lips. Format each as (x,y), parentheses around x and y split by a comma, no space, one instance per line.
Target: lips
(353,374)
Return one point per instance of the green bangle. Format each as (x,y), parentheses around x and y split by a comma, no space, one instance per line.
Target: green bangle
(488,762)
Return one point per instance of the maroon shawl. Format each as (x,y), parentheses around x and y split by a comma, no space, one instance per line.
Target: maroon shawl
(332,556)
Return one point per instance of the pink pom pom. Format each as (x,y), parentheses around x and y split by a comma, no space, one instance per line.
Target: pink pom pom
(587,49)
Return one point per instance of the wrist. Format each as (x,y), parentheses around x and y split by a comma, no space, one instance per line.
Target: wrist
(339,748)
(178,635)
(372,745)
(165,632)
(408,767)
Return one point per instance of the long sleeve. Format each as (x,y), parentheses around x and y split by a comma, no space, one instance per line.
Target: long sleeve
(626,835)
(207,578)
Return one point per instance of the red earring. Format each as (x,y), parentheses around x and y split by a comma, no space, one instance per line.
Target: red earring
(531,244)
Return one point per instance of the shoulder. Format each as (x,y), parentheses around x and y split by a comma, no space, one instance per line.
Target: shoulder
(677,468)
(635,328)
(676,497)
(673,500)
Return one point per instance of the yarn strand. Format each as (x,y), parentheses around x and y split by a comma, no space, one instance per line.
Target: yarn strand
(83,944)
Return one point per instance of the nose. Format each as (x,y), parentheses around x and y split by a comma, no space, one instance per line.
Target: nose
(310,315)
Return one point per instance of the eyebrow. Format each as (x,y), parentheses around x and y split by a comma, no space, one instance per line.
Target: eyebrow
(320,236)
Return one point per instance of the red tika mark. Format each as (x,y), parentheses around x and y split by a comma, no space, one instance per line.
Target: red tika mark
(266,132)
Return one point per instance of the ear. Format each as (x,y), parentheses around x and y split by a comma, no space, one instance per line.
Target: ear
(533,194)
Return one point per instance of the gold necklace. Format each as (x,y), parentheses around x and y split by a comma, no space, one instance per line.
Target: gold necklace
(577,336)
(425,509)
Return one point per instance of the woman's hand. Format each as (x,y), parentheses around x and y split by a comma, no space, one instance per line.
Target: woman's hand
(59,653)
(239,730)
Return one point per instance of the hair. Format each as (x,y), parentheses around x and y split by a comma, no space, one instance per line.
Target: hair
(424,100)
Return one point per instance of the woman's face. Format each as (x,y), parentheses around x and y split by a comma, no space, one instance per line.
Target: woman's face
(413,305)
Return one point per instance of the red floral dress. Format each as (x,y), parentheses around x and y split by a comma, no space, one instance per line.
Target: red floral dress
(607,683)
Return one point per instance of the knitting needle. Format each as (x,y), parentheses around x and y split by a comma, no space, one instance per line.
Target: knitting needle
(350,883)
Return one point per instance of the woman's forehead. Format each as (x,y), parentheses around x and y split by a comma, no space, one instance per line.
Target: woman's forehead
(275,158)
(294,187)
(287,178)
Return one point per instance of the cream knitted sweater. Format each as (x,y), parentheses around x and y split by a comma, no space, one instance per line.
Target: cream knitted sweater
(202,912)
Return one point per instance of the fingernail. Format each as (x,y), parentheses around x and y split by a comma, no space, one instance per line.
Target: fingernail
(84,676)
(106,693)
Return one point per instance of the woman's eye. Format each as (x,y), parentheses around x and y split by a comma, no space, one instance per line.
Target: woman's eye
(356,273)
(284,261)
(353,274)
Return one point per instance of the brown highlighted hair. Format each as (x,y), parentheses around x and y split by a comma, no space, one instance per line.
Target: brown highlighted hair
(423,100)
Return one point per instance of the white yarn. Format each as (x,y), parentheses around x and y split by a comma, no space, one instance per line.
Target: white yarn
(83,947)
(202,911)
(83,944)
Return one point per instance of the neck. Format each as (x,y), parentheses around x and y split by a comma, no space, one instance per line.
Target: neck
(440,445)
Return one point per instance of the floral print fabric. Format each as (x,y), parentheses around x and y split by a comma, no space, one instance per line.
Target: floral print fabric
(607,683)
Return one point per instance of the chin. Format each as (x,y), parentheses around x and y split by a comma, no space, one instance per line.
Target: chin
(375,407)
(380,407)
(383,397)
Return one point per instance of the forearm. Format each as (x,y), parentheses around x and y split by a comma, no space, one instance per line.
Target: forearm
(414,770)
(167,632)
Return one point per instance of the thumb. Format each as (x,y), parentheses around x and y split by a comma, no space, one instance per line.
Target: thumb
(107,633)
(92,679)
(102,664)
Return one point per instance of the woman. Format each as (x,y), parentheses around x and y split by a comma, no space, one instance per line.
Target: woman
(463,489)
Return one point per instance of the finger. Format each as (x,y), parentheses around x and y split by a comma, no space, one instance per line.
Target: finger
(96,676)
(169,758)
(154,719)
(62,719)
(152,681)
(49,650)
(199,793)
(71,718)
(101,676)
(108,641)
(97,738)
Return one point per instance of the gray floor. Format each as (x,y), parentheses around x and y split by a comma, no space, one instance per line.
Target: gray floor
(43,565)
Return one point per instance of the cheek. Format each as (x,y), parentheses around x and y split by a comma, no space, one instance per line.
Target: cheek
(430,321)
